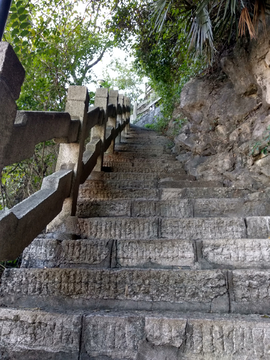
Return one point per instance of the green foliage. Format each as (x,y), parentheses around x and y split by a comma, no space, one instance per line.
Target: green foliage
(57,45)
(20,180)
(124,77)
(161,55)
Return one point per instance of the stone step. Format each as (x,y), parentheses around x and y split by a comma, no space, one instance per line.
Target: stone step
(120,184)
(143,148)
(32,335)
(145,168)
(119,156)
(234,254)
(134,289)
(188,183)
(236,291)
(181,208)
(117,194)
(202,193)
(162,194)
(132,336)
(171,228)
(174,336)
(136,176)
(156,253)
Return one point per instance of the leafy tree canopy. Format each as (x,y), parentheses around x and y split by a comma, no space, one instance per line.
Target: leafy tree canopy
(125,77)
(58,43)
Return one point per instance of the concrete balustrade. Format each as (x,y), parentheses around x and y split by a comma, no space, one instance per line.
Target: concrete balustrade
(20,131)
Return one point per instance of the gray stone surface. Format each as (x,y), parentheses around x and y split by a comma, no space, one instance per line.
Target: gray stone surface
(258,227)
(118,228)
(116,289)
(175,336)
(112,337)
(11,70)
(103,208)
(230,207)
(219,192)
(36,334)
(189,184)
(67,253)
(250,291)
(113,194)
(155,253)
(236,253)
(199,228)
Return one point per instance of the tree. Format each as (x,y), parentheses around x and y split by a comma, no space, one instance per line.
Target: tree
(124,77)
(161,55)
(58,44)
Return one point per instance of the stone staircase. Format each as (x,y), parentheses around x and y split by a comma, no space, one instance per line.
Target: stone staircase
(163,267)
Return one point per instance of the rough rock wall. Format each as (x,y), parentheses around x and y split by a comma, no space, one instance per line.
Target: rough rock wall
(226,136)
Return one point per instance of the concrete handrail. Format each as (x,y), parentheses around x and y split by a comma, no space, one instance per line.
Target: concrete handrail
(20,131)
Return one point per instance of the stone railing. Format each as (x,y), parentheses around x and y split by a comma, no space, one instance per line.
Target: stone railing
(20,131)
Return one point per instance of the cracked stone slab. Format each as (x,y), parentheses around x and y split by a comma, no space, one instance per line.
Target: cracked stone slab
(174,336)
(235,253)
(177,208)
(39,335)
(250,291)
(258,227)
(54,253)
(114,194)
(97,208)
(118,228)
(200,228)
(155,253)
(116,289)
(202,192)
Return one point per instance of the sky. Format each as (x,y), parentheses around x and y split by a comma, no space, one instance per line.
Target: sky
(106,60)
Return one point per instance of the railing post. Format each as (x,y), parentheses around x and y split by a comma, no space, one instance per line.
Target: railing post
(112,120)
(119,115)
(126,114)
(11,79)
(99,131)
(134,117)
(70,155)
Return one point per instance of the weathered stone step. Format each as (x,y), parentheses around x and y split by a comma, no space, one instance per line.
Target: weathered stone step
(204,290)
(174,336)
(237,291)
(114,194)
(120,184)
(32,335)
(143,148)
(181,208)
(234,254)
(169,228)
(119,156)
(145,168)
(202,193)
(188,183)
(137,335)
(156,253)
(136,176)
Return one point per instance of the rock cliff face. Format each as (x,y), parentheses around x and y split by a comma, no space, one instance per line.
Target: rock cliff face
(226,136)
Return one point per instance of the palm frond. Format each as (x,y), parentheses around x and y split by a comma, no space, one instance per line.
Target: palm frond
(201,32)
(160,11)
(245,21)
